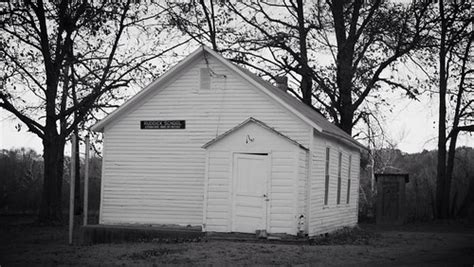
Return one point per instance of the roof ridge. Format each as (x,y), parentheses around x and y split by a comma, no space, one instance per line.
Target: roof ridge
(298,108)
(334,129)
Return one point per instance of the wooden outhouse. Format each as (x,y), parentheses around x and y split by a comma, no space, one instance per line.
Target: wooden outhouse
(390,205)
(210,144)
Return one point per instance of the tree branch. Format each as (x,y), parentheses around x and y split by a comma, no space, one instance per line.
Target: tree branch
(32,125)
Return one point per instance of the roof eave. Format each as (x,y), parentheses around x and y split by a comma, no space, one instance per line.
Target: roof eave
(100,126)
(351,142)
(260,124)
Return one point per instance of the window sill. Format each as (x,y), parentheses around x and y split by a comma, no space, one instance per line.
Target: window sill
(340,206)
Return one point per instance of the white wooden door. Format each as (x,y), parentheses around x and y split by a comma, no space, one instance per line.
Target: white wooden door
(250,194)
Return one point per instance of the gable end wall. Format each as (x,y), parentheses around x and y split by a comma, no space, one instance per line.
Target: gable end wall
(157,176)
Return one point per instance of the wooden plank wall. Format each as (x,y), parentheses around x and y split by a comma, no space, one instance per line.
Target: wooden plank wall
(333,216)
(157,176)
(282,184)
(302,186)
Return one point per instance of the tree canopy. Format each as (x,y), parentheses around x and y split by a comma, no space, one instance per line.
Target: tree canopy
(66,59)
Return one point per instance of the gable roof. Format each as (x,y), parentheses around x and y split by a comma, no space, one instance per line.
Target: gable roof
(325,127)
(257,122)
(301,110)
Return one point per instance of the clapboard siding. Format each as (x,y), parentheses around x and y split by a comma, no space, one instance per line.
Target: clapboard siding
(218,192)
(283,166)
(302,186)
(282,197)
(157,176)
(327,218)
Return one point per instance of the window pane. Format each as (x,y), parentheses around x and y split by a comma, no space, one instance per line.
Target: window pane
(349,180)
(348,190)
(339,178)
(326,184)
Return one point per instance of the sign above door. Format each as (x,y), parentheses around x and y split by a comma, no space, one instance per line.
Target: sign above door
(163,125)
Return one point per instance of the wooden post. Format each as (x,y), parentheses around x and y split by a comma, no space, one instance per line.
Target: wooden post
(72,187)
(86,181)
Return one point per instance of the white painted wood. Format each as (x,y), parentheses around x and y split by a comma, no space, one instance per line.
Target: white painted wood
(166,177)
(284,199)
(283,158)
(309,180)
(295,182)
(206,185)
(281,181)
(230,181)
(306,114)
(301,189)
(332,217)
(250,192)
(157,176)
(253,138)
(160,82)
(269,193)
(250,139)
(266,90)
(204,79)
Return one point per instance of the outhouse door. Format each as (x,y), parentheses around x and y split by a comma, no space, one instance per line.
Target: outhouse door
(250,192)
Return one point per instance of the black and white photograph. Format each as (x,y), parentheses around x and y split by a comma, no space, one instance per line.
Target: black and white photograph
(236,132)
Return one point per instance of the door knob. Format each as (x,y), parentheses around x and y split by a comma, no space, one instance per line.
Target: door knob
(266,197)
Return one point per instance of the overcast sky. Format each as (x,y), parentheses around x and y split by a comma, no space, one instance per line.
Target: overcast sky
(411,126)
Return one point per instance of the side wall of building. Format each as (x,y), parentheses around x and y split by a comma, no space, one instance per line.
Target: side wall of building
(303,172)
(333,216)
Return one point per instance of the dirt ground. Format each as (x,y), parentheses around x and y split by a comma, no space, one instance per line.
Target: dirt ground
(25,244)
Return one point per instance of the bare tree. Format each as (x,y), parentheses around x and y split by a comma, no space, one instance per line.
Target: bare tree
(52,48)
(455,81)
(207,22)
(362,40)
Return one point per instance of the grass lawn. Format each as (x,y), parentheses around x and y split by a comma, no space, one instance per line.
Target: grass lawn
(23,243)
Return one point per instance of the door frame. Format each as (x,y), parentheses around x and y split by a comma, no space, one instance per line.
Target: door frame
(233,181)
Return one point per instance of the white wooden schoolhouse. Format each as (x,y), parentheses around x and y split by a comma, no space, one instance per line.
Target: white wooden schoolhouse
(210,144)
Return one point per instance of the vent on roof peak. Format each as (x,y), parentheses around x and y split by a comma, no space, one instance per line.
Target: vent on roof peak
(205,79)
(282,82)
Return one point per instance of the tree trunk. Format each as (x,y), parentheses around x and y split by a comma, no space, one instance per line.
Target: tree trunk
(347,115)
(344,61)
(442,195)
(53,154)
(344,83)
(306,85)
(307,90)
(442,202)
(450,167)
